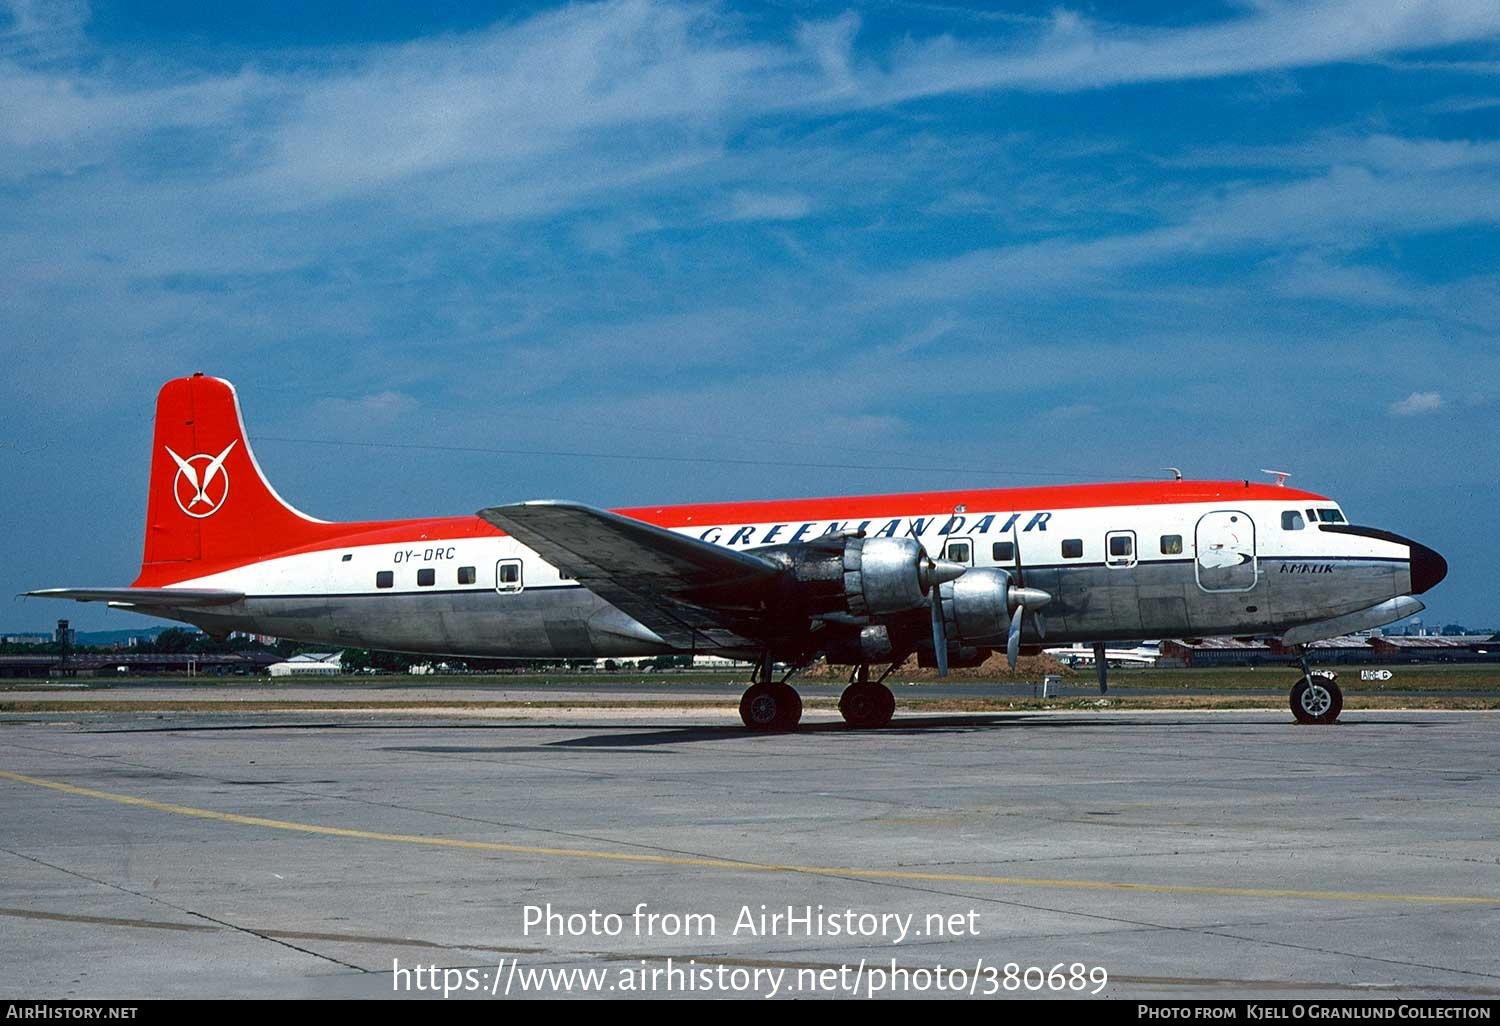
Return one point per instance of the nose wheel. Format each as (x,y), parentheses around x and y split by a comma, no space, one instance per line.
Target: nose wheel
(1316,699)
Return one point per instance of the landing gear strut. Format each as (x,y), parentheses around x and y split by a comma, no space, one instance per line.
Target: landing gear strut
(768,704)
(866,705)
(1315,697)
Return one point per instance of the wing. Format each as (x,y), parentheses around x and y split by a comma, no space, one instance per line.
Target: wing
(146,598)
(691,593)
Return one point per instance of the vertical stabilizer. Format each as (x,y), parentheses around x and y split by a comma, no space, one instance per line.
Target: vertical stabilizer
(209,506)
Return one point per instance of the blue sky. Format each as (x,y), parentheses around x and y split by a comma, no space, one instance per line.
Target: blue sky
(799,249)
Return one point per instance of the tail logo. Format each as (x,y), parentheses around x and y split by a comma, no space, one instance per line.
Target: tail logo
(202,484)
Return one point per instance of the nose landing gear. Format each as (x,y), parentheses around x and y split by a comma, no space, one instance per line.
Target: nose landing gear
(1315,697)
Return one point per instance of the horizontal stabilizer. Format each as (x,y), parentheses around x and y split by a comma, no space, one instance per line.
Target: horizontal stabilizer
(173,598)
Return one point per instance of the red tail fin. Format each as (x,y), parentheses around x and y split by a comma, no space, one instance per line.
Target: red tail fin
(209,506)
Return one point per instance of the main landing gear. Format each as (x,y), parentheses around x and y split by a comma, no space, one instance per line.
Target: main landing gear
(768,704)
(1315,697)
(866,705)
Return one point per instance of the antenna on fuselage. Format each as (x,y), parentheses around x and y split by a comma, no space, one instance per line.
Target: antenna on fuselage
(1280,475)
(1176,474)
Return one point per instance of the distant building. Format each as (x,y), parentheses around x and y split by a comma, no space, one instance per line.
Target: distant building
(700,662)
(260,639)
(1461,648)
(1218,652)
(712,662)
(309,664)
(1348,648)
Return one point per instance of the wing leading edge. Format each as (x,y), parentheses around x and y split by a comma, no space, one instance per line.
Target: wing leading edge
(691,593)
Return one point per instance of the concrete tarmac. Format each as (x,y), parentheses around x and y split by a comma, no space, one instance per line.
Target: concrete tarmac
(1220,855)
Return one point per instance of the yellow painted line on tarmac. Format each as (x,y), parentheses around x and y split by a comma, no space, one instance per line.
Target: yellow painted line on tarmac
(705,862)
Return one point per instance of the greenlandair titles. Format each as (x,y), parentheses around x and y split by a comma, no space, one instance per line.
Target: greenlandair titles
(910,527)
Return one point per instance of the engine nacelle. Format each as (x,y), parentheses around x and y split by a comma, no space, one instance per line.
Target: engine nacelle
(885,575)
(854,646)
(977,607)
(858,578)
(963,657)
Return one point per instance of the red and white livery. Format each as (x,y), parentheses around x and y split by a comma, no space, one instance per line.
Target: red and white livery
(862,580)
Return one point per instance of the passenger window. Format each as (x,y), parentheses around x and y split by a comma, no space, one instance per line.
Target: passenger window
(508,575)
(959,551)
(1120,546)
(1171,545)
(1004,552)
(385,579)
(1291,520)
(466,575)
(1072,548)
(426,577)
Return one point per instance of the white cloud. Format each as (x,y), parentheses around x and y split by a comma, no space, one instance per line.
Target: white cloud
(375,409)
(1078,54)
(1417,403)
(42,28)
(761,206)
(1343,208)
(630,84)
(1316,277)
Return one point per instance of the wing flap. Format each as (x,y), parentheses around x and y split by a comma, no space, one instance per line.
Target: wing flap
(167,598)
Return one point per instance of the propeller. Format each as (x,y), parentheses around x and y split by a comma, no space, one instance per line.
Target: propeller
(1025,599)
(1022,599)
(933,574)
(1037,618)
(939,634)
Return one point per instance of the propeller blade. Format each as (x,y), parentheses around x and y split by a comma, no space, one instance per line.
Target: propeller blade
(939,635)
(1041,624)
(1013,638)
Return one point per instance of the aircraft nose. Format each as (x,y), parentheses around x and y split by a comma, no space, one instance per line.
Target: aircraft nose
(1427,568)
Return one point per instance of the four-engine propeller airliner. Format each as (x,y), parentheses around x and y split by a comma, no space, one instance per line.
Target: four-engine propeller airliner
(863,581)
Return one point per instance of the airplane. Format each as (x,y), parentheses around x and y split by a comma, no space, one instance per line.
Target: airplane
(1079,654)
(862,580)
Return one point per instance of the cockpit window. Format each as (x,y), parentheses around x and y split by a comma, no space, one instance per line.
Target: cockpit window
(1291,520)
(1331,516)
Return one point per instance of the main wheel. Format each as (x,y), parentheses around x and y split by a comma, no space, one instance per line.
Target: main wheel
(867,706)
(770,707)
(792,703)
(1317,700)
